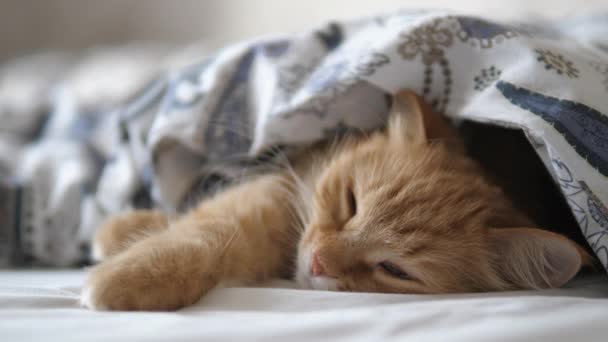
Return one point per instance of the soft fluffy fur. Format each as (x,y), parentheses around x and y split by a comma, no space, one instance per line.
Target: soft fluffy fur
(407,196)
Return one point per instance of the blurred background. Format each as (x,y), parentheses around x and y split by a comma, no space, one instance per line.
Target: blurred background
(27,25)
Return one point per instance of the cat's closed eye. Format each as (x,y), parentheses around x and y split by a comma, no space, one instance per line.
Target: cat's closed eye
(352,202)
(393,270)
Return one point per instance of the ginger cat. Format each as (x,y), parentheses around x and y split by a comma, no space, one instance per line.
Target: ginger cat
(402,210)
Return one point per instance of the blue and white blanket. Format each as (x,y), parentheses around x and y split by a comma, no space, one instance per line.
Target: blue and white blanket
(83,138)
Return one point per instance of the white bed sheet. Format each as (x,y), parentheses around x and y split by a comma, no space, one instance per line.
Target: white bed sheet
(43,305)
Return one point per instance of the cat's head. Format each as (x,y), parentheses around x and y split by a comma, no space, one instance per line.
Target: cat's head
(405,211)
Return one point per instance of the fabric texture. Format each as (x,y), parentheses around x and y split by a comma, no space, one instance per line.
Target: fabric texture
(43,305)
(84,138)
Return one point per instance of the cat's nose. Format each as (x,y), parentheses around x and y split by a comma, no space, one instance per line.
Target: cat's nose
(316,268)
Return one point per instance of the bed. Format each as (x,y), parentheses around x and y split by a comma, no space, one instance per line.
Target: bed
(43,305)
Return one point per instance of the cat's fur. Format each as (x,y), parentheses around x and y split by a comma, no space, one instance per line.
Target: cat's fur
(402,210)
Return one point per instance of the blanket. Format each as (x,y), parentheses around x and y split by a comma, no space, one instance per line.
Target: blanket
(91,135)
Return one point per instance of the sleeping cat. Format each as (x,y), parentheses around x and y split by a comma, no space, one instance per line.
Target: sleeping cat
(402,210)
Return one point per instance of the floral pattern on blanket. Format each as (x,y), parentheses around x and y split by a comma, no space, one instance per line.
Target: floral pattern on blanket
(68,160)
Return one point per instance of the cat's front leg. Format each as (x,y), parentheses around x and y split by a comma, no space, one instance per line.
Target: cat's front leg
(243,234)
(166,271)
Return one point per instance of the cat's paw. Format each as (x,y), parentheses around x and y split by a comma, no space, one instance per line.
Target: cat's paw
(89,300)
(125,284)
(117,286)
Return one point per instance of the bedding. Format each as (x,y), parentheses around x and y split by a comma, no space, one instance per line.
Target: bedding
(84,138)
(43,305)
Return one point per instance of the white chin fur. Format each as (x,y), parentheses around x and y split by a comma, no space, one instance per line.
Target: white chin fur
(324,283)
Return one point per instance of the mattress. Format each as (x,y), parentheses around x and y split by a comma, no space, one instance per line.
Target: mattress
(43,305)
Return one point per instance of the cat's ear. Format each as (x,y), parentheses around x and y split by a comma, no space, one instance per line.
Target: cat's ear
(534,258)
(406,118)
(413,121)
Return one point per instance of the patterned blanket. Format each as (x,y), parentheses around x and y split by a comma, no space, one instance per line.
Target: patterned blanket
(83,138)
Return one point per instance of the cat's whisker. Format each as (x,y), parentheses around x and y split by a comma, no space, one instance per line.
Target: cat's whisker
(302,191)
(230,240)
